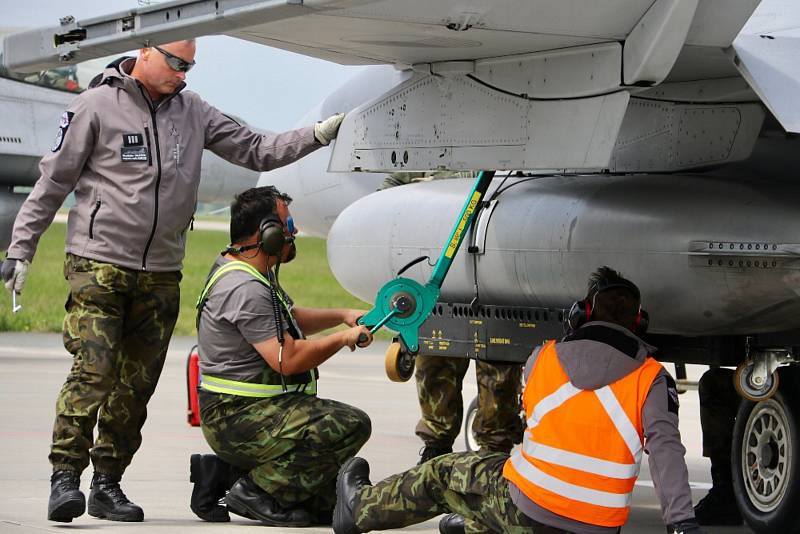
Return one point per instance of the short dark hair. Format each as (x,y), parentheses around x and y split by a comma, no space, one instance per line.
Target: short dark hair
(614,299)
(250,207)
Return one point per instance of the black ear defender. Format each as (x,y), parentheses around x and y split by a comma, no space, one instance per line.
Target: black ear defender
(272,236)
(580,312)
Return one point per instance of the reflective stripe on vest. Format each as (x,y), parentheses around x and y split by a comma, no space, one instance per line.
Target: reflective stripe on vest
(234,265)
(249,389)
(234,387)
(558,468)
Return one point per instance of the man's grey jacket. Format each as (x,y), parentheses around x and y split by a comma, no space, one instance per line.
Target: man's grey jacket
(599,354)
(135,168)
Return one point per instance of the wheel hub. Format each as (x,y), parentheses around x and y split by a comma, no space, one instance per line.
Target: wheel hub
(766,455)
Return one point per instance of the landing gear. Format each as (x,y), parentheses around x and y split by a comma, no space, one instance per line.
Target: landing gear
(766,467)
(398,363)
(469,417)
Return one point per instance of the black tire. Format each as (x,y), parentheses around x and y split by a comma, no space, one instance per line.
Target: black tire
(469,416)
(766,469)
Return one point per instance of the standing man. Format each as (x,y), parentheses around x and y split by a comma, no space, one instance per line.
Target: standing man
(719,404)
(497,425)
(258,392)
(594,402)
(130,149)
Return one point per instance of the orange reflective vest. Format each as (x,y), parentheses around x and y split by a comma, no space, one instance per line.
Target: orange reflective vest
(582,449)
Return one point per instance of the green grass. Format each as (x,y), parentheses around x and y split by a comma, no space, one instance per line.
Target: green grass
(307,279)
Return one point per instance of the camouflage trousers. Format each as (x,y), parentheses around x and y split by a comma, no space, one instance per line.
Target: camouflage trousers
(467,483)
(497,425)
(719,404)
(117,328)
(293,444)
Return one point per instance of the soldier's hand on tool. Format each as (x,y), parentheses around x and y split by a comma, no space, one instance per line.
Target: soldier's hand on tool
(14,273)
(358,336)
(326,131)
(351,317)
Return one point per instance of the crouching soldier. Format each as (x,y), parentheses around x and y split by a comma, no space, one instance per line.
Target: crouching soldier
(258,403)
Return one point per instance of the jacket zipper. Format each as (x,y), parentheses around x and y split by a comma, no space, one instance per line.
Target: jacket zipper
(158,178)
(149,147)
(91,219)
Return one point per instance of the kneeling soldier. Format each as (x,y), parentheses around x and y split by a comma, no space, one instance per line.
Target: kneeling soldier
(258,403)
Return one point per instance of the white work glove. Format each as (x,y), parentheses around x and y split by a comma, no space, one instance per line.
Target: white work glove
(14,273)
(325,131)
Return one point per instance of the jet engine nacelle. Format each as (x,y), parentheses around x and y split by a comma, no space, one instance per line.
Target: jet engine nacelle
(711,255)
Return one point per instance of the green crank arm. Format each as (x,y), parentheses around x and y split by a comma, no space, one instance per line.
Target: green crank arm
(403,304)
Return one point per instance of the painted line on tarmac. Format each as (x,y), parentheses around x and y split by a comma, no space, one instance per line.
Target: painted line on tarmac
(15,351)
(692,485)
(28,351)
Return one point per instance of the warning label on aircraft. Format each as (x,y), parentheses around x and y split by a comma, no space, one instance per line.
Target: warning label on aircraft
(453,246)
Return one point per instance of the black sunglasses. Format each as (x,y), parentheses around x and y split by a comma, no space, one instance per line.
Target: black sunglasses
(174,62)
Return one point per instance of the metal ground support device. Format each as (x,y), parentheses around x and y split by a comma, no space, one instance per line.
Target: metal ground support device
(755,378)
(403,304)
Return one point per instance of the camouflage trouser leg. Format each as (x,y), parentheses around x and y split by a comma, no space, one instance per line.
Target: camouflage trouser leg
(118,325)
(439,382)
(497,425)
(469,484)
(293,444)
(719,403)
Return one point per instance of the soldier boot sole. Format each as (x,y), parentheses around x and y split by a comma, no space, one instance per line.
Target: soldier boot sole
(239,508)
(67,508)
(100,512)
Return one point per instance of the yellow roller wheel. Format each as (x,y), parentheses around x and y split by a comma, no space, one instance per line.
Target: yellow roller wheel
(399,364)
(748,390)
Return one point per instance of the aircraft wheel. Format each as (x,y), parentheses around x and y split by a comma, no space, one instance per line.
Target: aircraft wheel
(398,363)
(469,417)
(748,390)
(766,467)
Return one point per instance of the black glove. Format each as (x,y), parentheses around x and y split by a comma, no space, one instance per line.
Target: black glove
(14,273)
(689,526)
(7,269)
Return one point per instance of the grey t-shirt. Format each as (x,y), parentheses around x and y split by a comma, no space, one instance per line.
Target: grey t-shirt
(237,314)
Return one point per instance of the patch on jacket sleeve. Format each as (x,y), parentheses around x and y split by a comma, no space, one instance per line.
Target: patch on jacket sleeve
(63,126)
(672,395)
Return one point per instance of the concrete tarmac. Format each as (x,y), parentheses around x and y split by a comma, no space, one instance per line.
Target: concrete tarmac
(33,368)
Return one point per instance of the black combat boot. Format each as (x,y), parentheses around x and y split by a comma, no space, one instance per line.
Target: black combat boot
(210,476)
(718,507)
(107,501)
(430,451)
(451,524)
(66,500)
(353,475)
(248,500)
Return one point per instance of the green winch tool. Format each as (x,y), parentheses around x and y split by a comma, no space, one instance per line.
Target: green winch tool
(403,304)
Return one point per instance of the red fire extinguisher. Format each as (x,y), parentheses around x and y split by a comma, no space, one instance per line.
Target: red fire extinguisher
(192,383)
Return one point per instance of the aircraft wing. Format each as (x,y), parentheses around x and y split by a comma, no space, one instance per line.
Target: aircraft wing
(409,32)
(766,53)
(500,84)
